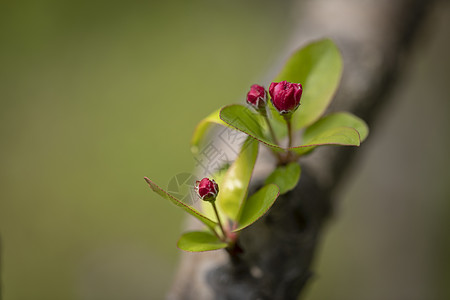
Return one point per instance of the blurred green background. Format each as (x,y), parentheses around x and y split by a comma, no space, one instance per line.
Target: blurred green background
(94,95)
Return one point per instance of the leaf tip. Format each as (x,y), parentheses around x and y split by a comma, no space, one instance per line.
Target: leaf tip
(148,180)
(150,184)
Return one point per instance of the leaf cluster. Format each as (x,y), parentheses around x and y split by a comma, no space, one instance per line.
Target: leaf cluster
(318,67)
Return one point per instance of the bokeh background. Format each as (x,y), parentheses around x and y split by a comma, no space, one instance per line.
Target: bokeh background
(94,95)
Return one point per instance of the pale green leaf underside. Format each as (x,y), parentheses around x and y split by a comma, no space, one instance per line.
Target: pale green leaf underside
(318,67)
(340,119)
(233,189)
(257,205)
(203,127)
(243,119)
(199,241)
(285,177)
(332,136)
(190,210)
(240,117)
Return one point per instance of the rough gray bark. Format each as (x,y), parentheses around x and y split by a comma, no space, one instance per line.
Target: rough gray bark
(374,36)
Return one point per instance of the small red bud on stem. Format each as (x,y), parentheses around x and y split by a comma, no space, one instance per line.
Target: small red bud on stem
(257,97)
(207,189)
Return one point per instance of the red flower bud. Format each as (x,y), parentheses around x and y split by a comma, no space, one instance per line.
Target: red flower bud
(207,189)
(257,97)
(285,96)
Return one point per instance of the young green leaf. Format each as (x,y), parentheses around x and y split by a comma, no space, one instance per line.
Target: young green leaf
(245,120)
(247,123)
(340,119)
(257,205)
(343,136)
(234,186)
(203,127)
(199,241)
(190,210)
(285,177)
(318,67)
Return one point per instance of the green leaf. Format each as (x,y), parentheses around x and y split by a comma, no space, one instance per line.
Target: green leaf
(340,119)
(190,210)
(343,136)
(233,189)
(257,205)
(318,67)
(243,119)
(285,177)
(199,241)
(203,127)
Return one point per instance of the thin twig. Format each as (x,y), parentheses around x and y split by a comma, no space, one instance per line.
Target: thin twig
(218,219)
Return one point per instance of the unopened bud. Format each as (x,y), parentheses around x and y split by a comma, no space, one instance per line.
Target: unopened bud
(257,97)
(207,189)
(285,96)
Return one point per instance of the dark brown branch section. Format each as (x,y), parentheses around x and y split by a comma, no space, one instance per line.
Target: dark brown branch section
(374,36)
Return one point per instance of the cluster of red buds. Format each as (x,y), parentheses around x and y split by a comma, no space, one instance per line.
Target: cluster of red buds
(285,96)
